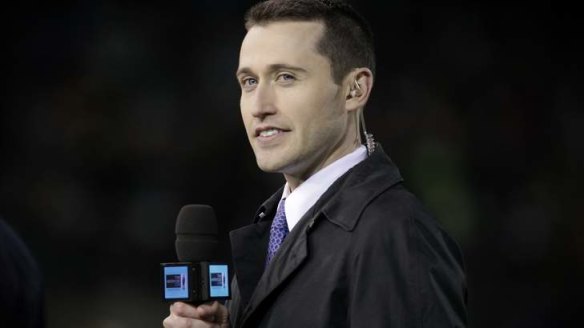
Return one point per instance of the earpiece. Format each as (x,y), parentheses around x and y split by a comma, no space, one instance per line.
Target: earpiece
(356,90)
(369,141)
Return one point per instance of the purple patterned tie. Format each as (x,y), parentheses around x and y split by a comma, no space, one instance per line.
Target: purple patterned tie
(278,231)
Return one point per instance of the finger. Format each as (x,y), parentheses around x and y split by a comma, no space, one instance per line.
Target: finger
(214,312)
(169,322)
(185,310)
(207,311)
(173,321)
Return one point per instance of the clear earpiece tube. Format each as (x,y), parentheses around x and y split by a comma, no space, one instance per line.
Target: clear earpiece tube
(369,141)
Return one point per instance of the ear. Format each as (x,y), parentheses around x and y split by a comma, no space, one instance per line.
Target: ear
(358,85)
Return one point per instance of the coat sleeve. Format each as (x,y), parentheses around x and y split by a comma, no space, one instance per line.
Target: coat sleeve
(407,271)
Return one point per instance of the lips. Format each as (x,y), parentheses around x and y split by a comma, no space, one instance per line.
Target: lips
(268,131)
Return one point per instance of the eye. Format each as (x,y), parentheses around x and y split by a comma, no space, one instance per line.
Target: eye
(248,82)
(285,77)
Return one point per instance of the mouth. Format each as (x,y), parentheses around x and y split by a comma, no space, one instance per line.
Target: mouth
(269,132)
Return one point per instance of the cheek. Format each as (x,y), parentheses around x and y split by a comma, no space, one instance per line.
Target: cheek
(249,132)
(242,106)
(321,107)
(245,113)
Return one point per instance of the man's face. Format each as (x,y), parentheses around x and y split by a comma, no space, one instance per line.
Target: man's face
(293,112)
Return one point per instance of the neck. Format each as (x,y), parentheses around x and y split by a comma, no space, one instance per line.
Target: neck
(295,180)
(347,144)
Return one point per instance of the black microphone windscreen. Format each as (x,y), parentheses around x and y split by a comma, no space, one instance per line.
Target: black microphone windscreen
(196,233)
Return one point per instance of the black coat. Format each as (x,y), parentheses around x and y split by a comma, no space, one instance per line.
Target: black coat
(366,254)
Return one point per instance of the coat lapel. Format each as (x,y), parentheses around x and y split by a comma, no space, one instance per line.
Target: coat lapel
(248,265)
(291,255)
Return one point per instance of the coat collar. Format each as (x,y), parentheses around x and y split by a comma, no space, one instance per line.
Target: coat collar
(268,209)
(357,186)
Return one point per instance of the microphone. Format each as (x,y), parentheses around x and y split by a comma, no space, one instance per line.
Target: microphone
(197,278)
(196,233)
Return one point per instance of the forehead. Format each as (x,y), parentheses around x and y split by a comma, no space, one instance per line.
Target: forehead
(287,42)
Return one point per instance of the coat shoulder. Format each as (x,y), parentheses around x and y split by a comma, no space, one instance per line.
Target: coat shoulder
(393,207)
(396,217)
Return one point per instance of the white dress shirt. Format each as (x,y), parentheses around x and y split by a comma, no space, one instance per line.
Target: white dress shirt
(299,201)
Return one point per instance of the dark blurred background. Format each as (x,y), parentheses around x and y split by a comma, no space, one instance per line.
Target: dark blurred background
(117,113)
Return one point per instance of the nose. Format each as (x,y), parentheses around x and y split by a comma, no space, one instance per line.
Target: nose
(265,101)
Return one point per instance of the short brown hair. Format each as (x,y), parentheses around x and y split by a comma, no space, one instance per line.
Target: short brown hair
(347,41)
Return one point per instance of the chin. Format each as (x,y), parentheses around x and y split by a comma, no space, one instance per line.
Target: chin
(267,165)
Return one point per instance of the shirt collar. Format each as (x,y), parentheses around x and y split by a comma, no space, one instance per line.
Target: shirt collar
(306,194)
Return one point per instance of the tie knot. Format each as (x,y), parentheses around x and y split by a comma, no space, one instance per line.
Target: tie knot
(278,231)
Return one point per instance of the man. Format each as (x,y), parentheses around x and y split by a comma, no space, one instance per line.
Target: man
(343,243)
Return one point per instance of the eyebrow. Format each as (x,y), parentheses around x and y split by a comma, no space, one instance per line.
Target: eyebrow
(272,68)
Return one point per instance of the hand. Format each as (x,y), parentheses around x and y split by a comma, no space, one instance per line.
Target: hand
(184,315)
